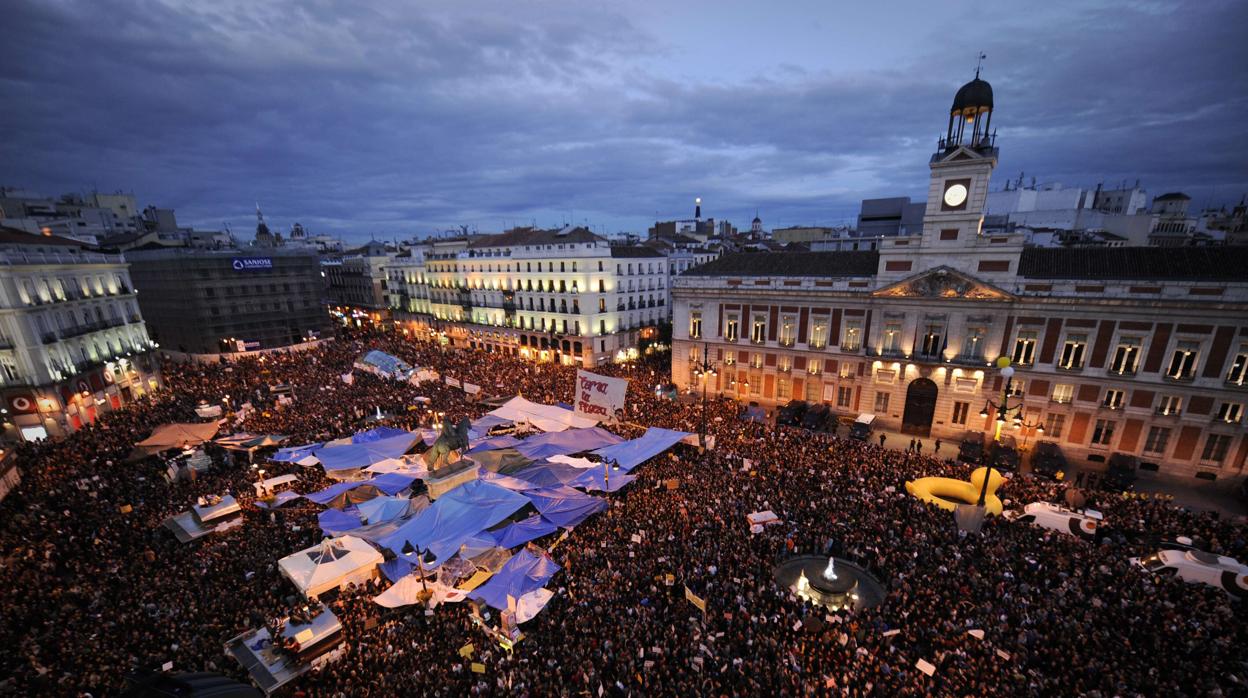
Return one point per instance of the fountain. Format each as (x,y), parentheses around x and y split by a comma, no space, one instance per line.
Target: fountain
(831,583)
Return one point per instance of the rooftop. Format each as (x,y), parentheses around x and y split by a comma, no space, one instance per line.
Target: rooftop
(535,236)
(1143,263)
(13,236)
(827,264)
(630,251)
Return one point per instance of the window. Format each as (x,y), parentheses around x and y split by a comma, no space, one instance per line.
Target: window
(1183,361)
(1072,352)
(847,370)
(892,337)
(818,334)
(602,305)
(788,330)
(1216,446)
(1113,399)
(784,390)
(973,344)
(732,328)
(1024,348)
(755,384)
(1126,356)
(785,364)
(852,339)
(1063,392)
(1230,412)
(1155,442)
(758,330)
(730,358)
(695,356)
(1053,423)
(1239,367)
(1170,405)
(960,410)
(756,360)
(814,367)
(1017,387)
(695,325)
(844,396)
(931,341)
(812,391)
(881,403)
(1103,433)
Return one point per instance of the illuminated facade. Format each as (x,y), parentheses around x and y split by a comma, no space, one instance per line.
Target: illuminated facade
(1142,351)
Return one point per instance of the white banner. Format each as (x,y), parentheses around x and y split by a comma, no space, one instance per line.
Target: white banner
(452,381)
(598,397)
(471,389)
(348,378)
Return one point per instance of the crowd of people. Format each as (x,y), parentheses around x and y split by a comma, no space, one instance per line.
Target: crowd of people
(92,592)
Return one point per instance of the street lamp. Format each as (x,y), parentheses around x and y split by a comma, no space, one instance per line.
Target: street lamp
(1003,410)
(704,370)
(422,557)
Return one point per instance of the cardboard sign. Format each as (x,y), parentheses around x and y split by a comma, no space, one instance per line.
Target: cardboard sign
(696,600)
(478,668)
(598,397)
(673,483)
(925,666)
(466,651)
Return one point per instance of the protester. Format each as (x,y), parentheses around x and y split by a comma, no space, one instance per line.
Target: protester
(91,593)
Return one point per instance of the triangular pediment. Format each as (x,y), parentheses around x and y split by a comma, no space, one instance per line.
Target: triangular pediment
(961,153)
(944,282)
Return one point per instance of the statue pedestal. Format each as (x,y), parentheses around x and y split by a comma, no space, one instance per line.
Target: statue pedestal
(445,479)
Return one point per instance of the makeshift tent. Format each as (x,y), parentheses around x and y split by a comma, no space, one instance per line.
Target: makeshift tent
(334,522)
(279,499)
(503,460)
(456,517)
(169,436)
(344,494)
(271,484)
(560,443)
(544,417)
(575,462)
(630,454)
(385,508)
(406,465)
(504,441)
(541,475)
(565,506)
(361,454)
(522,532)
(208,411)
(331,564)
(407,591)
(755,413)
(596,479)
(376,434)
(248,442)
(396,569)
(522,574)
(532,603)
(294,454)
(385,365)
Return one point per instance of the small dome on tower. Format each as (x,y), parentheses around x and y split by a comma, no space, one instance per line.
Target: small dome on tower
(975,94)
(757,220)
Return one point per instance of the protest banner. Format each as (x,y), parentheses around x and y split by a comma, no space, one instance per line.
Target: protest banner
(598,397)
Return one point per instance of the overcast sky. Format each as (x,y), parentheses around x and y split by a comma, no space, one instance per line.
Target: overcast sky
(405,118)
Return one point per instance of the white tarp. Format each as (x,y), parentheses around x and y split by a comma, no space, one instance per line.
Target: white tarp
(405,592)
(763,517)
(544,417)
(532,603)
(598,397)
(208,411)
(330,564)
(575,462)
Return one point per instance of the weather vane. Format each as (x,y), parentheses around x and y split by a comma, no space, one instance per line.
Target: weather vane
(979,62)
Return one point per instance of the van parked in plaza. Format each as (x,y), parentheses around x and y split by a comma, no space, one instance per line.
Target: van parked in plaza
(1051,516)
(1199,567)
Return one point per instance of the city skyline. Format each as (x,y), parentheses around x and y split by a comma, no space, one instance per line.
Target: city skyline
(400,123)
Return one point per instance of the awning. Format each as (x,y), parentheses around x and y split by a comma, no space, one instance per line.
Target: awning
(523,573)
(630,454)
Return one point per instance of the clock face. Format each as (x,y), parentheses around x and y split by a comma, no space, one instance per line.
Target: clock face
(955,195)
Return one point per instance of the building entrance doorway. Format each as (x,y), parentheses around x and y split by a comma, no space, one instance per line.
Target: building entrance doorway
(920,407)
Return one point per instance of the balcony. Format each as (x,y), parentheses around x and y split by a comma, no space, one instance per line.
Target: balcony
(1181,378)
(1120,371)
(1073,368)
(786,342)
(816,345)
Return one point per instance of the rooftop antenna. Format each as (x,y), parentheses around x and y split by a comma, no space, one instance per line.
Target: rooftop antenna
(979,63)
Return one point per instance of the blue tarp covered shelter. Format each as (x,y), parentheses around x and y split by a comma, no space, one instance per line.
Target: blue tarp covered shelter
(561,443)
(593,479)
(455,517)
(565,506)
(384,508)
(384,364)
(496,442)
(523,531)
(334,522)
(523,573)
(296,453)
(390,483)
(631,454)
(361,454)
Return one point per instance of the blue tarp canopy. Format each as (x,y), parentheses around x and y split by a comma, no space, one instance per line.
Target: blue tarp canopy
(334,522)
(391,366)
(377,434)
(631,454)
(396,569)
(295,453)
(361,454)
(504,441)
(455,517)
(755,413)
(523,573)
(593,479)
(522,532)
(390,483)
(279,499)
(561,443)
(543,475)
(565,506)
(384,508)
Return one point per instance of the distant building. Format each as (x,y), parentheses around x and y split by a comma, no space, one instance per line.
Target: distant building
(356,283)
(73,344)
(890,217)
(1172,224)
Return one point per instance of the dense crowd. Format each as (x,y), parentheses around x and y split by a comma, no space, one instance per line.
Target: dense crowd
(90,593)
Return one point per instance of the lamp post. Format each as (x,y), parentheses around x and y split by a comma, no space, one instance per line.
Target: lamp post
(704,370)
(1004,409)
(606,477)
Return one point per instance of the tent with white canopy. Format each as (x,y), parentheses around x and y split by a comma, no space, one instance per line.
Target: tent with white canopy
(331,564)
(544,417)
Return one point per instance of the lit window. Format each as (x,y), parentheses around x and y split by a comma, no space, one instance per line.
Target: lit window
(1103,432)
(732,328)
(892,337)
(1183,361)
(1024,348)
(695,325)
(1063,392)
(818,334)
(1126,356)
(852,341)
(973,345)
(1230,412)
(1239,367)
(1170,405)
(758,330)
(788,330)
(1113,399)
(1072,352)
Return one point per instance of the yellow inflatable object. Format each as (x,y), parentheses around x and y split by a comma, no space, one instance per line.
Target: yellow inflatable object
(947,493)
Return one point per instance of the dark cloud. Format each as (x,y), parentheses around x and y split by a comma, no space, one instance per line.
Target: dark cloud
(402,120)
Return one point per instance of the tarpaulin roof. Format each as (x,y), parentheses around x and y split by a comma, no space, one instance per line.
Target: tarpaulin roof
(167,436)
(542,475)
(329,563)
(560,443)
(455,517)
(279,499)
(409,590)
(482,425)
(291,454)
(362,454)
(504,441)
(544,417)
(249,441)
(389,483)
(376,434)
(565,506)
(381,361)
(396,569)
(334,522)
(523,531)
(630,454)
(523,573)
(594,479)
(384,508)
(502,460)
